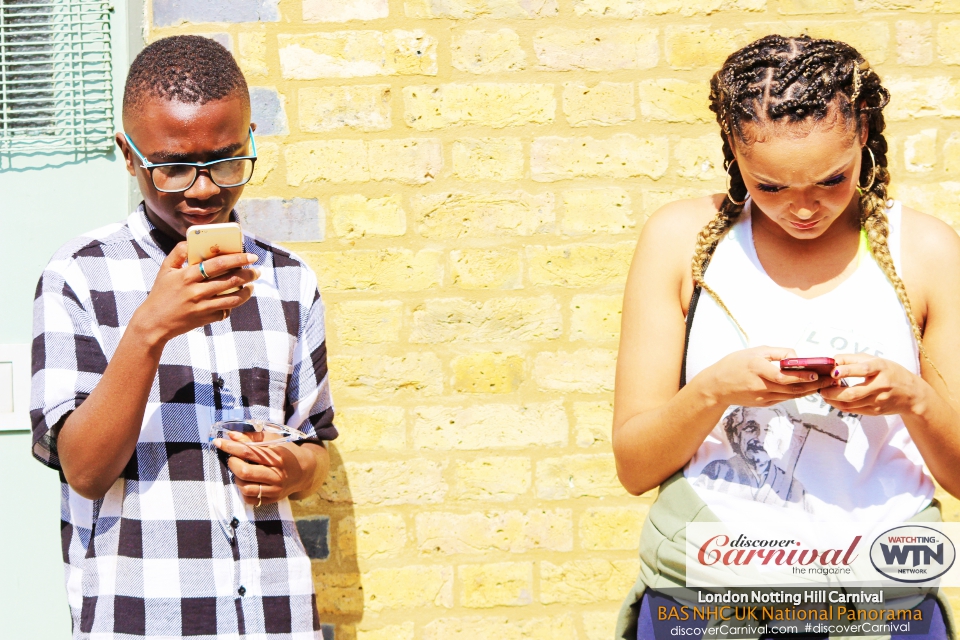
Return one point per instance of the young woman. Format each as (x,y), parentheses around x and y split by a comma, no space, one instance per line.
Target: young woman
(807,257)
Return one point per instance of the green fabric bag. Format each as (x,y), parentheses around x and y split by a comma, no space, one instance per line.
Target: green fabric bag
(663,557)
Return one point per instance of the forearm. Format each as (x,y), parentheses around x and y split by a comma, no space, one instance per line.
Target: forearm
(315,456)
(651,446)
(98,439)
(934,425)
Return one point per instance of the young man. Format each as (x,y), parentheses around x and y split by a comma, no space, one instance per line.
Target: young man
(135,356)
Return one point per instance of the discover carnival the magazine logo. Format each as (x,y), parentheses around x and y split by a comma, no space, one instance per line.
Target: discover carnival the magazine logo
(754,554)
(912,554)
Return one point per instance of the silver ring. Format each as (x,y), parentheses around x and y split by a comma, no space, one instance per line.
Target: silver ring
(203,272)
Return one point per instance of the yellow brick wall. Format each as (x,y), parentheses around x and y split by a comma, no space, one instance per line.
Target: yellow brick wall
(484,168)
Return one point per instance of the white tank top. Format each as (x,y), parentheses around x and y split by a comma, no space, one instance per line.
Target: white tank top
(803,458)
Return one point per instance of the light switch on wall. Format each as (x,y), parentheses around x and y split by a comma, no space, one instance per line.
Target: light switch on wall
(14,387)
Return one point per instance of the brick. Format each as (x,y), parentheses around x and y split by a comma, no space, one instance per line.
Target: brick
(946,6)
(364,107)
(338,593)
(593,423)
(404,631)
(609,8)
(495,320)
(871,39)
(492,479)
(315,535)
(267,110)
(488,159)
(463,9)
(654,199)
(170,13)
(586,581)
(920,151)
(612,528)
(578,476)
(278,220)
(478,215)
(490,426)
(487,372)
(674,100)
(591,211)
(922,97)
(356,216)
(371,428)
(497,51)
(893,5)
(222,38)
(579,265)
(344,10)
(408,587)
(555,627)
(407,161)
(376,535)
(805,7)
(584,370)
(914,43)
(416,481)
(595,318)
(599,625)
(948,47)
(376,269)
(476,532)
(623,155)
(940,199)
(485,269)
(699,46)
(252,54)
(379,376)
(497,584)
(488,104)
(268,157)
(597,49)
(605,103)
(335,489)
(700,159)
(951,154)
(357,54)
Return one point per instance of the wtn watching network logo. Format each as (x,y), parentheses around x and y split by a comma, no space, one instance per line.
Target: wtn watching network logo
(912,554)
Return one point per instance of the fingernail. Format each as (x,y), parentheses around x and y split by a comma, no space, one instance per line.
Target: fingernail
(251,258)
(836,372)
(813,376)
(256,273)
(216,442)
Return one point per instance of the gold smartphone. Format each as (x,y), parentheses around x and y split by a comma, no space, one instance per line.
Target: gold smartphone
(205,241)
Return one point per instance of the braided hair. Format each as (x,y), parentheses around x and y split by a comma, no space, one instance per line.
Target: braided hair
(793,80)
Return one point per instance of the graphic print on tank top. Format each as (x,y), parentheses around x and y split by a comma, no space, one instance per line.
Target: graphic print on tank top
(805,456)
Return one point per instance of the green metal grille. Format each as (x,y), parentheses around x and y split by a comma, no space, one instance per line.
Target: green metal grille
(56,85)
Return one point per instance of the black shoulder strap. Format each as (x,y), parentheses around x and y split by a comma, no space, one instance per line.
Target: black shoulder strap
(686,337)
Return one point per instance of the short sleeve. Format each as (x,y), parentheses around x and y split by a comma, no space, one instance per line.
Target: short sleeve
(67,362)
(309,405)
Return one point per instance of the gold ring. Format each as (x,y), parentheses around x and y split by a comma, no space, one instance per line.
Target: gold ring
(259,495)
(203,272)
(226,314)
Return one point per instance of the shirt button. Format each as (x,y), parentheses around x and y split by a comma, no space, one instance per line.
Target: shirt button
(242,590)
(234,523)
(220,382)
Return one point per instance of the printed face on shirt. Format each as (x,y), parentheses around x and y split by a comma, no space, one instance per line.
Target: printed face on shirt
(172,131)
(802,176)
(749,436)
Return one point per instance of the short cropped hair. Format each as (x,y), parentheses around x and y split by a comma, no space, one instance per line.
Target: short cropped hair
(188,69)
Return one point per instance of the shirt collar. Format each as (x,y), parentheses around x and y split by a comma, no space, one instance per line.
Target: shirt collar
(154,241)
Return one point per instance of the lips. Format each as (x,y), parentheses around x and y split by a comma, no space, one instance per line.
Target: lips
(804,225)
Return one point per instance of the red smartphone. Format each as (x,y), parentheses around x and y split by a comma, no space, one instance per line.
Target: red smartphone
(819,366)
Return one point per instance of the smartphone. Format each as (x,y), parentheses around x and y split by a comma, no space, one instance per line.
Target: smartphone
(820,366)
(205,241)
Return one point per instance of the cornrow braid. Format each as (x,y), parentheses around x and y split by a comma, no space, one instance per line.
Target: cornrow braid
(793,80)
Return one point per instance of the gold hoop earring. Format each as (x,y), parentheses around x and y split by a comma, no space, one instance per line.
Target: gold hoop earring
(729,182)
(873,173)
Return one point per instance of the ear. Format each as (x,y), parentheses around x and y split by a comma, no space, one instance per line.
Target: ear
(128,157)
(253,125)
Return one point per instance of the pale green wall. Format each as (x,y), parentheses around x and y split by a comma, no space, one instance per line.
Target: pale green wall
(42,205)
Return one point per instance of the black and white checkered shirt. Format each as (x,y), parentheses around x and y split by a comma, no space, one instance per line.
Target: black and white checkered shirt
(172,550)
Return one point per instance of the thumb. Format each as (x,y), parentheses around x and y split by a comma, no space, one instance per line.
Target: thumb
(776,353)
(177,257)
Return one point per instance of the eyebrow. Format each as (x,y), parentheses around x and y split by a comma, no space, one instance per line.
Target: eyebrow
(832,174)
(222,152)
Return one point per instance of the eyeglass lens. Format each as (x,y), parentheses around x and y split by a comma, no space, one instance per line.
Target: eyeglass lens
(178,177)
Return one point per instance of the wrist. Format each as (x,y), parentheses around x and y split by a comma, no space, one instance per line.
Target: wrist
(919,397)
(147,332)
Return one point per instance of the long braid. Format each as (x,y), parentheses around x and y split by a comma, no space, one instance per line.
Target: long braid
(795,80)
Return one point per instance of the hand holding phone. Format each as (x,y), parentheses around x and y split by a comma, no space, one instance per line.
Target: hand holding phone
(823,367)
(205,241)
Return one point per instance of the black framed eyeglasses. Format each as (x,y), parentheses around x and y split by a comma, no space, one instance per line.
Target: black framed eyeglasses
(174,177)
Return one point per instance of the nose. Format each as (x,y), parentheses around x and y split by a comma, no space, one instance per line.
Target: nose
(804,207)
(203,188)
